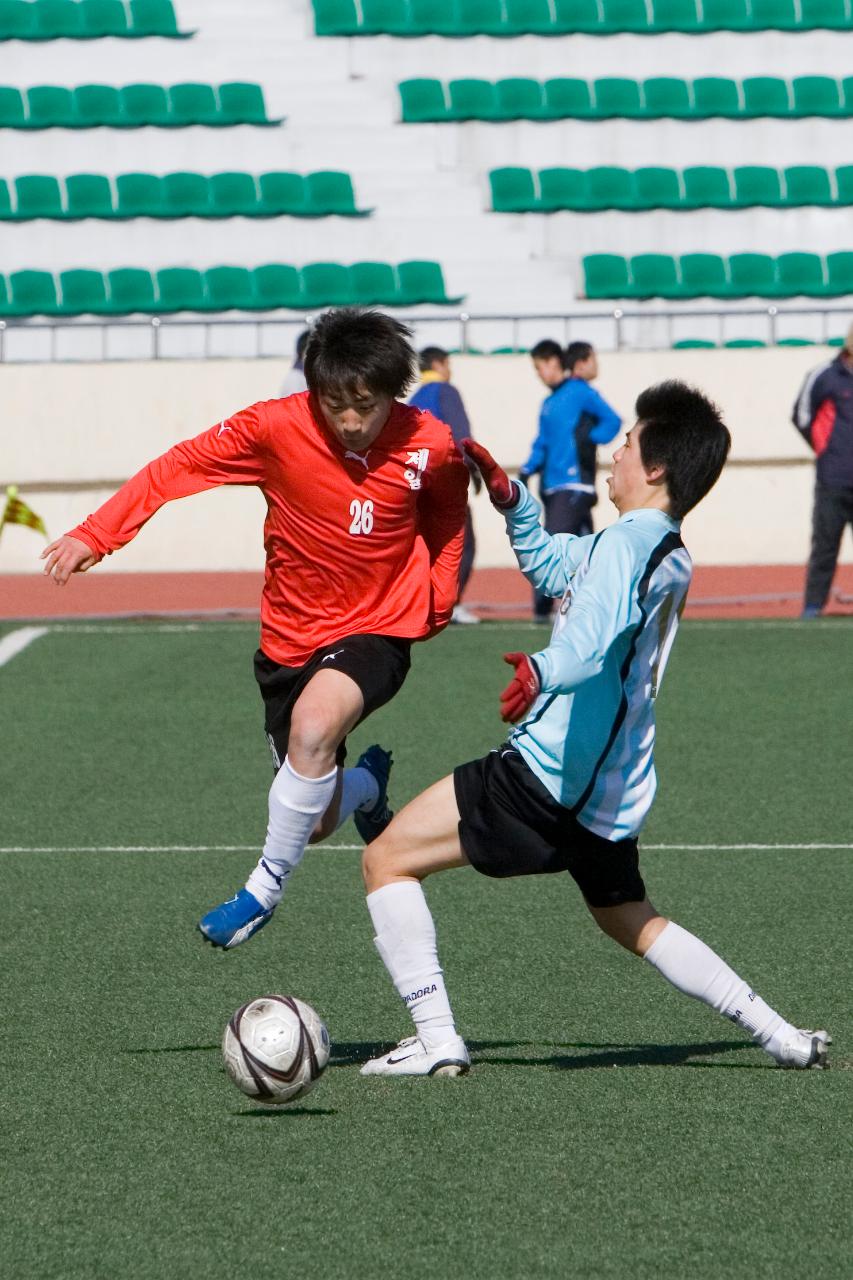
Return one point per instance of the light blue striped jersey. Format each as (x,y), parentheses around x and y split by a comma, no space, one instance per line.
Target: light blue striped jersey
(590,734)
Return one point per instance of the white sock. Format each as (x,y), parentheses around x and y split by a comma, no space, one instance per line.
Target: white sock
(405,939)
(692,967)
(360,790)
(295,806)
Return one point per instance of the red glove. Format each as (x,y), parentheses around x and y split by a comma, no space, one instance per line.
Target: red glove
(523,689)
(502,491)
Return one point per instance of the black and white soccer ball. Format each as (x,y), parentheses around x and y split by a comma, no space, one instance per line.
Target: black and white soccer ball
(275,1048)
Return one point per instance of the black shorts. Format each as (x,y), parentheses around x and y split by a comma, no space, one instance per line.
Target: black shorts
(377,664)
(511,825)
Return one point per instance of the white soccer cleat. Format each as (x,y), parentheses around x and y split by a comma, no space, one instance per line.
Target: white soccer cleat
(805,1049)
(411,1058)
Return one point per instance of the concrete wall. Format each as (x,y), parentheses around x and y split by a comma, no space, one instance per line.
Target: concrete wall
(71,431)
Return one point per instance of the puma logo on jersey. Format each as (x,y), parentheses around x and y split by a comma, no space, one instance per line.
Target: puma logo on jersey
(416,465)
(222,428)
(358,457)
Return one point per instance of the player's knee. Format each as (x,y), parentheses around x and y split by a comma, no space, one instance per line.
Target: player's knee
(315,732)
(377,864)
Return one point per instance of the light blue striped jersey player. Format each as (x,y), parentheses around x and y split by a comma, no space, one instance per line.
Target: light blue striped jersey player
(589,735)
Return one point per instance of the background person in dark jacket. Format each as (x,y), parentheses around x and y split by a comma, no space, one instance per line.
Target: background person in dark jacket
(573,419)
(440,398)
(823,414)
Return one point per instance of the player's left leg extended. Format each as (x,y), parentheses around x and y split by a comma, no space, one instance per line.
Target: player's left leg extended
(696,970)
(422,839)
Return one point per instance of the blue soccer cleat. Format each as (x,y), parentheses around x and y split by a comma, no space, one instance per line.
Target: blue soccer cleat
(234,921)
(371,823)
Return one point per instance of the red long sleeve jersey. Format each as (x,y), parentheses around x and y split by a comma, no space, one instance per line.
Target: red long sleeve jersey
(355,543)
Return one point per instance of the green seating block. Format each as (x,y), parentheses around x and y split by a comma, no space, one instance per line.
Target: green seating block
(233,195)
(707,187)
(473,100)
(433,17)
(384,17)
(757,185)
(88,195)
(327,284)
(765,96)
(153,18)
(654,275)
(743,344)
(49,107)
(610,187)
(17,20)
(185,195)
(278,285)
(479,18)
(520,99)
(844,184)
(282,193)
(752,275)
(335,18)
(422,100)
(666,97)
(675,15)
(330,192)
(624,15)
(37,196)
(617,98)
(58,18)
(103,18)
(374,284)
(795,342)
(567,98)
(839,274)
(774,15)
(13,114)
(847,95)
(715,96)
(97,104)
(704,275)
(139,195)
(423,282)
(817,96)
(807,184)
(656,188)
(130,289)
(242,103)
(230,289)
(145,104)
(513,190)
(4,298)
(528,17)
(561,188)
(5,202)
(32,293)
(827,15)
(82,292)
(194,104)
(579,16)
(693,344)
(606,276)
(180,289)
(799,275)
(726,15)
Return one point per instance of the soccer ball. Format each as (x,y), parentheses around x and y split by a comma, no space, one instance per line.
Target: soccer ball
(275,1048)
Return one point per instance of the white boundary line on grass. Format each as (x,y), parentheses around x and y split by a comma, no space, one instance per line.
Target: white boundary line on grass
(16,641)
(346,848)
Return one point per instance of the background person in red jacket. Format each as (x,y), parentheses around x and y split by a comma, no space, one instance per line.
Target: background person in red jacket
(366,510)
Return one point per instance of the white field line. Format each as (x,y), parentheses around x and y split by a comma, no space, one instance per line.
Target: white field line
(16,641)
(346,848)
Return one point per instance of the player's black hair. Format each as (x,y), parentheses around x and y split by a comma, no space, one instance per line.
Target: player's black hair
(546,349)
(576,351)
(352,347)
(430,356)
(302,343)
(683,432)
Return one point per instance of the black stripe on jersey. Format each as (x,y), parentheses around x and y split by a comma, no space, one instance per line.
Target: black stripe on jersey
(671,542)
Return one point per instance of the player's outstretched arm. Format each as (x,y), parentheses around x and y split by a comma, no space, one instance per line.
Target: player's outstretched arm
(65,556)
(501,490)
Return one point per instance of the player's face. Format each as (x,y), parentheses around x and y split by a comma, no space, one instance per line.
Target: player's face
(550,371)
(628,483)
(355,419)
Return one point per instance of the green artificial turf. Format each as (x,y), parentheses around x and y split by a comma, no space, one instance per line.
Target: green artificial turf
(609,1127)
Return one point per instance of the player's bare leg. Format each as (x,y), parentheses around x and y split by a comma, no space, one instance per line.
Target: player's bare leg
(696,970)
(422,839)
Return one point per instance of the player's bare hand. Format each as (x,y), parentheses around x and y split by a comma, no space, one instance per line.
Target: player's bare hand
(65,556)
(500,488)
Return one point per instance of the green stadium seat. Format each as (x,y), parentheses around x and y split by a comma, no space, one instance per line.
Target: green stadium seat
(479,17)
(520,99)
(606,276)
(184,195)
(817,96)
(374,284)
(145,104)
(180,289)
(564,189)
(666,97)
(97,104)
(726,15)
(433,17)
(617,98)
(847,95)
(329,192)
(473,100)
(49,107)
(577,16)
(103,18)
(795,342)
(17,20)
(422,282)
(675,15)
(58,18)
(5,202)
(609,187)
(194,104)
(624,15)
(13,113)
(715,96)
(839,274)
(706,187)
(654,275)
(233,195)
(278,285)
(837,341)
(704,275)
(757,185)
(32,293)
(844,184)
(766,96)
(752,275)
(130,289)
(88,195)
(327,284)
(4,298)
(139,195)
(774,15)
(153,18)
(528,17)
(422,100)
(513,190)
(282,193)
(694,344)
(827,15)
(241,103)
(567,98)
(388,17)
(657,188)
(807,184)
(335,18)
(82,292)
(799,275)
(230,289)
(37,196)
(743,344)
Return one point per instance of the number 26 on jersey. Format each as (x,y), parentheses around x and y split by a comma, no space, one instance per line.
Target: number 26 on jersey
(361,517)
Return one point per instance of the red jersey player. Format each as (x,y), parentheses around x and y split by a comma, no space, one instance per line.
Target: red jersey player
(366,510)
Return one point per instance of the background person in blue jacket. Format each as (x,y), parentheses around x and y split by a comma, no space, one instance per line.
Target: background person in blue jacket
(440,398)
(573,419)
